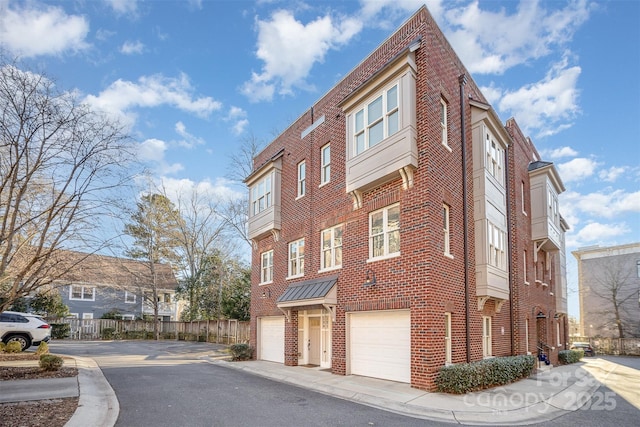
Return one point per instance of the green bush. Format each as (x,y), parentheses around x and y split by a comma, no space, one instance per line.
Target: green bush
(13,347)
(241,352)
(43,348)
(51,362)
(2,346)
(570,356)
(108,334)
(60,330)
(466,377)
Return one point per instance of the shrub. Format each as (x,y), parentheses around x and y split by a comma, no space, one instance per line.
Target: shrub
(51,362)
(60,330)
(570,356)
(13,347)
(2,346)
(43,348)
(466,377)
(241,351)
(108,334)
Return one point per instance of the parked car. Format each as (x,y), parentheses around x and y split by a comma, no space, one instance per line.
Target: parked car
(25,328)
(584,346)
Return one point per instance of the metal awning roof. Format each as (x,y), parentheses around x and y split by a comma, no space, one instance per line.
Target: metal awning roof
(309,292)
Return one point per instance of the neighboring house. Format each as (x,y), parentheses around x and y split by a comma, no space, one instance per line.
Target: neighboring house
(609,290)
(99,284)
(387,243)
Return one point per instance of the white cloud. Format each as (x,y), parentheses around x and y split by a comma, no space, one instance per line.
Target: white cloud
(189,140)
(183,189)
(29,31)
(606,203)
(289,49)
(558,153)
(152,151)
(239,120)
(548,105)
(152,91)
(124,7)
(132,47)
(596,232)
(492,42)
(613,173)
(577,169)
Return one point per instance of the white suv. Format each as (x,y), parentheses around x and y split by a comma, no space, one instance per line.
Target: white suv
(27,329)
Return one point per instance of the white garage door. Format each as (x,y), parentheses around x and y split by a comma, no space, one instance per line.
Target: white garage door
(271,339)
(380,345)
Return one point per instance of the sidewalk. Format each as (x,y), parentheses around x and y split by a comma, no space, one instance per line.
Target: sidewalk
(542,397)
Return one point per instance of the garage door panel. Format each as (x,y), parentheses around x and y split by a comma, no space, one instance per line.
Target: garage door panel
(380,345)
(272,339)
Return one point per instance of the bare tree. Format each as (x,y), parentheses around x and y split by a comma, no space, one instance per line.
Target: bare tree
(614,287)
(60,161)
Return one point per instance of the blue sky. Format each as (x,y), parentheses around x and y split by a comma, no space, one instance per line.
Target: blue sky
(192,79)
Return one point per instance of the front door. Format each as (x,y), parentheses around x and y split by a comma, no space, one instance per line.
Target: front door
(314,341)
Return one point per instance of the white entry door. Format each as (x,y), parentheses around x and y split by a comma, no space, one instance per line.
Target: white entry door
(380,344)
(271,339)
(314,340)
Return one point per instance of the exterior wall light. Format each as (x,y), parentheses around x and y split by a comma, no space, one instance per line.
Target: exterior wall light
(266,293)
(370,278)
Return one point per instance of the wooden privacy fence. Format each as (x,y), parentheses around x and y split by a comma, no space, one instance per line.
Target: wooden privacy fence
(223,331)
(612,346)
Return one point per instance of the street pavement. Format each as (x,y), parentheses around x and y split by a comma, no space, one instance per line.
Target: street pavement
(542,397)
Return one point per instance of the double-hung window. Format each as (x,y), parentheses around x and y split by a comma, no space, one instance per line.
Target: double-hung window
(296,258)
(497,240)
(129,297)
(447,338)
(443,122)
(495,159)
(331,256)
(445,229)
(266,267)
(486,336)
(325,164)
(376,120)
(302,178)
(261,195)
(384,232)
(85,293)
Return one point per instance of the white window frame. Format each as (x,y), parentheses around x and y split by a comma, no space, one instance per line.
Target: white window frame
(84,290)
(446,229)
(128,317)
(447,339)
(386,233)
(526,335)
(128,299)
(266,267)
(522,193)
(261,195)
(334,235)
(325,164)
(524,268)
(296,258)
(389,118)
(486,336)
(495,158)
(443,123)
(558,333)
(496,241)
(302,178)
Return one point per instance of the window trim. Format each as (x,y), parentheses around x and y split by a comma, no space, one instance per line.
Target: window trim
(447,339)
(332,248)
(487,351)
(83,291)
(325,166)
(496,242)
(268,268)
(299,258)
(386,232)
(494,158)
(267,195)
(127,296)
(446,228)
(302,179)
(386,113)
(444,117)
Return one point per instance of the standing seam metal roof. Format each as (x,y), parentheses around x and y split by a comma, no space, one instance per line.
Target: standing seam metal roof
(309,289)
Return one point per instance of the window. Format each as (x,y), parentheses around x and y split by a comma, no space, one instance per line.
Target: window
(445,229)
(261,195)
(129,298)
(376,120)
(296,258)
(447,338)
(331,256)
(496,246)
(384,232)
(86,293)
(495,158)
(325,164)
(266,267)
(522,193)
(486,336)
(558,332)
(638,267)
(526,335)
(443,122)
(302,173)
(524,268)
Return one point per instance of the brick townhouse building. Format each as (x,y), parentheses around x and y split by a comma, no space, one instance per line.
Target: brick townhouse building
(399,226)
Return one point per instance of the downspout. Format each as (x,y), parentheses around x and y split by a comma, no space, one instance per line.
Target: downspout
(463,81)
(510,248)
